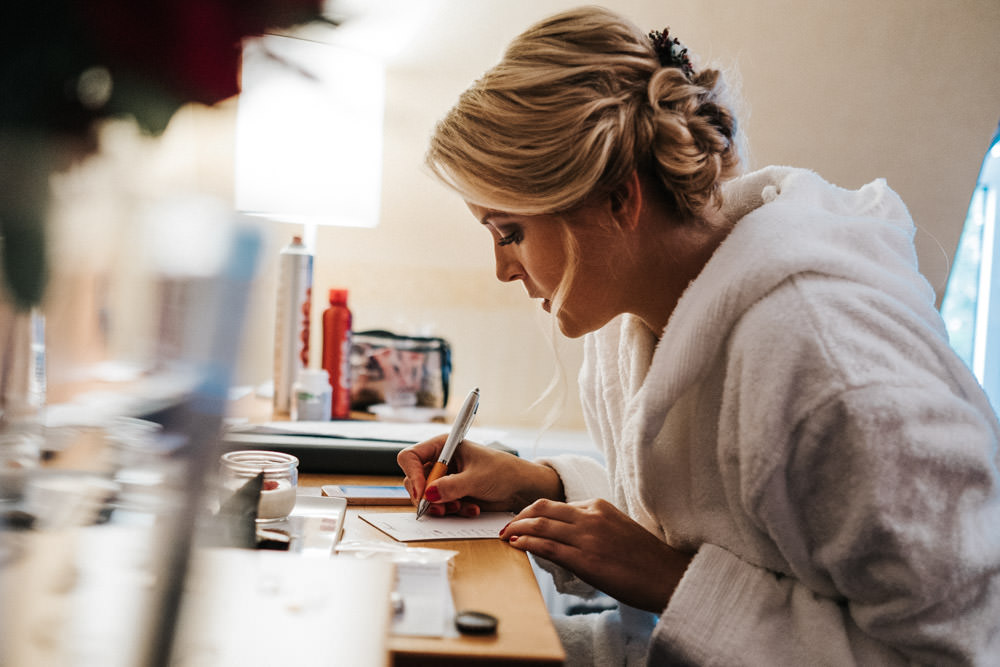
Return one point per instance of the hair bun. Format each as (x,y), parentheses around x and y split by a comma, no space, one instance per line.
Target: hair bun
(692,147)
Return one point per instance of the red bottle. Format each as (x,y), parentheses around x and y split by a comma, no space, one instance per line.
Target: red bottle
(337,352)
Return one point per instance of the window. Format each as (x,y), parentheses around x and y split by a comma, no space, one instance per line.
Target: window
(971,304)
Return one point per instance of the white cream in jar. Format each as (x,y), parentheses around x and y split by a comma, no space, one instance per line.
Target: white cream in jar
(277,500)
(281,476)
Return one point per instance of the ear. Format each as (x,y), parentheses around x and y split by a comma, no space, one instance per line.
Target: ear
(626,202)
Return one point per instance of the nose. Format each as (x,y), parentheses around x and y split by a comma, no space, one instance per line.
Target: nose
(508,267)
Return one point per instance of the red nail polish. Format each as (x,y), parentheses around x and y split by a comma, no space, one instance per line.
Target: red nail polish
(432,494)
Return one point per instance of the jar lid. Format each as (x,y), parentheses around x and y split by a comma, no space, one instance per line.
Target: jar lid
(259,460)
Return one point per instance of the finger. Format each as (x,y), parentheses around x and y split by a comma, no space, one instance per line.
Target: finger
(553,550)
(408,484)
(454,487)
(552,509)
(467,482)
(411,488)
(441,509)
(544,527)
(416,460)
(415,457)
(469,510)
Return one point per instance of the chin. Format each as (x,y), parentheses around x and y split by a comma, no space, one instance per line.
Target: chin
(571,329)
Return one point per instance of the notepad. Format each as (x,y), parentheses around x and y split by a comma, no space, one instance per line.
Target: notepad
(404,526)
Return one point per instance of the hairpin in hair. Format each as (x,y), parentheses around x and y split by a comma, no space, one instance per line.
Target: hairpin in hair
(670,51)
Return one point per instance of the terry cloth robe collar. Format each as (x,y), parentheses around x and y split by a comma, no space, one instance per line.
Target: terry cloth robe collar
(762,251)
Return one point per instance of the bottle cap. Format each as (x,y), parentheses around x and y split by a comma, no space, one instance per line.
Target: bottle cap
(338,296)
(314,380)
(476,623)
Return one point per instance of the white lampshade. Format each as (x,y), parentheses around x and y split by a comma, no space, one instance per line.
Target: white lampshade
(309,133)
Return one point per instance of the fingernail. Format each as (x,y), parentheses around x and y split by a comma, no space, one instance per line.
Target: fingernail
(432,494)
(504,528)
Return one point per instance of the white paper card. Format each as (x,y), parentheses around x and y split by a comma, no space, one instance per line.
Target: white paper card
(428,608)
(404,526)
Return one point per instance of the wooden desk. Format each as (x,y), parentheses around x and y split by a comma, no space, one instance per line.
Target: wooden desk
(490,576)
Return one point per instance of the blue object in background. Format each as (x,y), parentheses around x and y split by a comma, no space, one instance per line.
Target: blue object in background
(971,304)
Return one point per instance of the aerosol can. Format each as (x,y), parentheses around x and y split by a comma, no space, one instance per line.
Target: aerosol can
(291,330)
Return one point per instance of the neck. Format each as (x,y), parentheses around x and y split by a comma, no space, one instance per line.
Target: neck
(671,256)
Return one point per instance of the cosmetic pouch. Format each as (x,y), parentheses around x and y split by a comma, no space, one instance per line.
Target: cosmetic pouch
(398,370)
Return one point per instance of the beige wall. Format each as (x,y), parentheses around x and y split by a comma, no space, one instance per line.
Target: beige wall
(908,90)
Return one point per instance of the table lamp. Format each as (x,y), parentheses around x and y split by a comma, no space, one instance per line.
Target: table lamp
(309,133)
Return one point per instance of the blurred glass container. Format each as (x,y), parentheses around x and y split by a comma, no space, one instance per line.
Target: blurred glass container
(19,455)
(139,463)
(281,479)
(21,397)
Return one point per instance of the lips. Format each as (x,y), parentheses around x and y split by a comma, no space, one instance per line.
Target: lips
(546,304)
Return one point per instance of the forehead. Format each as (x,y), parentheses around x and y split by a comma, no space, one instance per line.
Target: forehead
(479,211)
(496,217)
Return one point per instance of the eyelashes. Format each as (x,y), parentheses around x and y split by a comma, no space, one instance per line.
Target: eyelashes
(513,237)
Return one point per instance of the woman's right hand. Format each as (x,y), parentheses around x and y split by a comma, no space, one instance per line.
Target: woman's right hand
(479,479)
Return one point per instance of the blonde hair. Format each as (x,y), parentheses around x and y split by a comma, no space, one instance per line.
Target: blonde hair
(578,102)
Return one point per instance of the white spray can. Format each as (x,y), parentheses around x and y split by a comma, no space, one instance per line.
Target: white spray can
(291,330)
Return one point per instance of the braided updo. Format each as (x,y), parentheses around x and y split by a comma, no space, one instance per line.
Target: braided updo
(577,103)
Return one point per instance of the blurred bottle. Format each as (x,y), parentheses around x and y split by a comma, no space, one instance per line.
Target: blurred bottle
(337,352)
(291,331)
(313,396)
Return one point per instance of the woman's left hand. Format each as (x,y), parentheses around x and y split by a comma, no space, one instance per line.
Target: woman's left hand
(603,547)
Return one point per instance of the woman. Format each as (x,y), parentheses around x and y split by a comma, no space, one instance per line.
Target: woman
(798,468)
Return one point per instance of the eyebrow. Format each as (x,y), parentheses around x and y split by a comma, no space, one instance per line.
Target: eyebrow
(491,215)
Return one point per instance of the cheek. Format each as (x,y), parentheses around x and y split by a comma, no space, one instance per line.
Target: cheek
(545,267)
(550,277)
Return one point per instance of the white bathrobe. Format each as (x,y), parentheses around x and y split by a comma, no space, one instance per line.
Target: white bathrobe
(805,430)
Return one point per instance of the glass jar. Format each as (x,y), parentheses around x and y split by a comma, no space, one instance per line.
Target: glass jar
(281,479)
